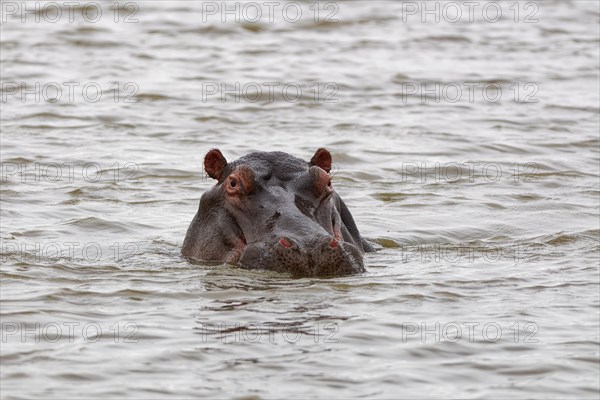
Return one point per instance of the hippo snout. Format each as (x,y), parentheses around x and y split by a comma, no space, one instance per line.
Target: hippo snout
(322,256)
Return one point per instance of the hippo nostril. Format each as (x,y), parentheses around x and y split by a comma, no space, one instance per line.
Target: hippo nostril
(285,243)
(333,243)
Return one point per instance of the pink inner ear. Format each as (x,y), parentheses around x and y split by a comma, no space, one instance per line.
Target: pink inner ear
(322,159)
(214,162)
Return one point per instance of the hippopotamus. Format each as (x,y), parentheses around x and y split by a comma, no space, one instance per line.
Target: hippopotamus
(273,211)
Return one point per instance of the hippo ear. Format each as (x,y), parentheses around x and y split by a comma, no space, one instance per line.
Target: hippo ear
(322,159)
(214,163)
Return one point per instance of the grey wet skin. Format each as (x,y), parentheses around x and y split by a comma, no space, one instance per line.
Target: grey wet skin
(270,210)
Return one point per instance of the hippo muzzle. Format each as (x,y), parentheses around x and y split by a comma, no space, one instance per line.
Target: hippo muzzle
(323,256)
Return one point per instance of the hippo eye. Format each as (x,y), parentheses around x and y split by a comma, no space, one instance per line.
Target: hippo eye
(321,182)
(240,182)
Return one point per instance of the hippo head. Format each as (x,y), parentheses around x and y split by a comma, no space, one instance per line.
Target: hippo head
(270,210)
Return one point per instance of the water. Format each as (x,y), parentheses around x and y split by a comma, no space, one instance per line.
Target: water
(484,209)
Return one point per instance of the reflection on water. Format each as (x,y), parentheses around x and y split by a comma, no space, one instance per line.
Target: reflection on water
(467,152)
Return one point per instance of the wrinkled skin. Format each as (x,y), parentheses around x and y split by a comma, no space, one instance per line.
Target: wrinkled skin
(278,212)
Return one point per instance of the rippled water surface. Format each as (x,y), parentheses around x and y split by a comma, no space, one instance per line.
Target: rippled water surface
(484,209)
